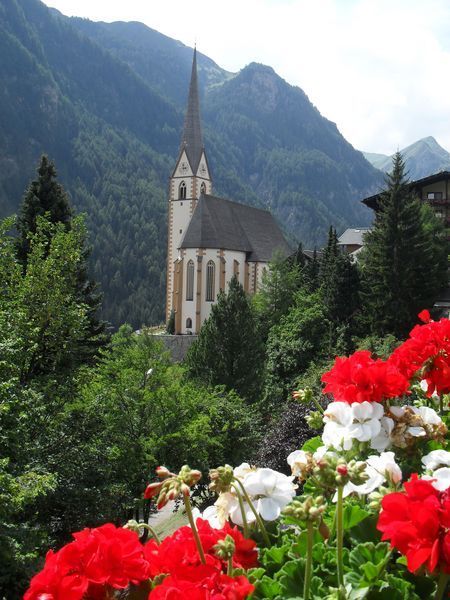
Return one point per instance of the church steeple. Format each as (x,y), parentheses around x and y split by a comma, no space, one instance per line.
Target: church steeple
(192,140)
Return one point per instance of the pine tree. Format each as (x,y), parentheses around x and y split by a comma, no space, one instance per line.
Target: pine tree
(45,197)
(228,350)
(402,265)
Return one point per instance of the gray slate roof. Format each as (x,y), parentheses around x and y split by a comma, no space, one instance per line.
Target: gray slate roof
(223,224)
(192,140)
(352,237)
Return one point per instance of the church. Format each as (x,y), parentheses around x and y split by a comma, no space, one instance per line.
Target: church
(210,239)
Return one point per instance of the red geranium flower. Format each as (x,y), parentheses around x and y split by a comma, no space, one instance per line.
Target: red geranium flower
(360,378)
(416,523)
(106,556)
(427,353)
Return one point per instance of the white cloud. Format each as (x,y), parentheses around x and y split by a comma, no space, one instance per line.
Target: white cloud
(378,68)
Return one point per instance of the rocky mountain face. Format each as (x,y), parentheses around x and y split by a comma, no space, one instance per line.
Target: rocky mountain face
(106,102)
(422,158)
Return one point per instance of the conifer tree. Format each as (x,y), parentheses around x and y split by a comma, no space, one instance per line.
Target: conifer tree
(403,267)
(311,273)
(45,197)
(228,350)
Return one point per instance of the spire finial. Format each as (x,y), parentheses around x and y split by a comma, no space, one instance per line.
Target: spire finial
(192,139)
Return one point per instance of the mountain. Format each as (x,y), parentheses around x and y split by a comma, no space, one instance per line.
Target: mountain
(422,158)
(106,102)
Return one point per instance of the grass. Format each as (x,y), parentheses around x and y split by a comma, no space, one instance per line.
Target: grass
(169,525)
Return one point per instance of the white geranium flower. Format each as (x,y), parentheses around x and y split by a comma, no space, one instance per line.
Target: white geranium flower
(242,470)
(298,461)
(366,420)
(270,491)
(429,415)
(435,459)
(383,440)
(378,469)
(441,479)
(385,465)
(338,417)
(217,514)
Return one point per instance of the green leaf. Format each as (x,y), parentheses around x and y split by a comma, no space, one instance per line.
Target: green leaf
(312,444)
(353,515)
(267,588)
(291,578)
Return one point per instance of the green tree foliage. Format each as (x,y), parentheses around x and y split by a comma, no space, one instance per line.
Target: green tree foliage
(404,263)
(142,411)
(228,350)
(299,338)
(45,197)
(339,291)
(279,285)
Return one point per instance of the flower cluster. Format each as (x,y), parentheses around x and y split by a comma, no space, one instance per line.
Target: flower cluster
(97,559)
(269,491)
(187,578)
(101,560)
(417,523)
(426,353)
(360,378)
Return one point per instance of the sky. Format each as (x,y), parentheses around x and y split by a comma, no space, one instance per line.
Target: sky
(380,69)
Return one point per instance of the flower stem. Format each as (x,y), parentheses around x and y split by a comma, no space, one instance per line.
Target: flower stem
(308,567)
(230,566)
(255,512)
(441,585)
(152,532)
(319,406)
(242,508)
(340,534)
(187,505)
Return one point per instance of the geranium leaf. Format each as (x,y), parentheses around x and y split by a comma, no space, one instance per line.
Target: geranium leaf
(291,578)
(312,444)
(267,588)
(353,514)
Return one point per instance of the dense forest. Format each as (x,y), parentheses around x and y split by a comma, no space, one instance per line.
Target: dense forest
(102,101)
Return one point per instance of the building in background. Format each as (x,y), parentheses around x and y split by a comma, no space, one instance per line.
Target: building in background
(210,239)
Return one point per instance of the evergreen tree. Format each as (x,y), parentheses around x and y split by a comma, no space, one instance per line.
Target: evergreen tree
(279,286)
(45,197)
(311,273)
(228,350)
(404,262)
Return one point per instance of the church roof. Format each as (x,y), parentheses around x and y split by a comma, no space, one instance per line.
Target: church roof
(192,140)
(223,224)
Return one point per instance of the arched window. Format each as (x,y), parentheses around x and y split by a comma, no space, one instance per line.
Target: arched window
(190,281)
(182,191)
(188,323)
(203,188)
(210,281)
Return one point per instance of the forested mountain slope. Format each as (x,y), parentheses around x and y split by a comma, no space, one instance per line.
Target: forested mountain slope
(106,102)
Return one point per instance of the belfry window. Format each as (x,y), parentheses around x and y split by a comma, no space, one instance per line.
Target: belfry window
(203,188)
(210,281)
(188,323)
(182,191)
(190,281)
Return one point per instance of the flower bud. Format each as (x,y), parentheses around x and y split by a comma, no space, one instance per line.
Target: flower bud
(315,419)
(303,396)
(133,525)
(225,549)
(163,472)
(152,490)
(342,470)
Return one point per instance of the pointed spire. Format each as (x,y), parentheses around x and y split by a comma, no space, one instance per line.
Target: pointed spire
(192,140)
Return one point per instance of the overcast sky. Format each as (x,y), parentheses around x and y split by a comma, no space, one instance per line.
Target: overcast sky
(380,69)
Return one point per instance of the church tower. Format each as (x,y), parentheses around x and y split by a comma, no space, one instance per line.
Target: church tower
(190,179)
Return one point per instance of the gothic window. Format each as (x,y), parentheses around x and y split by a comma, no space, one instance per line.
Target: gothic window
(210,281)
(182,191)
(203,188)
(190,281)
(188,323)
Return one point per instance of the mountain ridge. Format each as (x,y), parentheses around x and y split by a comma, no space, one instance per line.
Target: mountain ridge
(115,137)
(422,158)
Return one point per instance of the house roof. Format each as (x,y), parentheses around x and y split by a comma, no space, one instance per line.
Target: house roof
(372,201)
(192,140)
(220,223)
(353,237)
